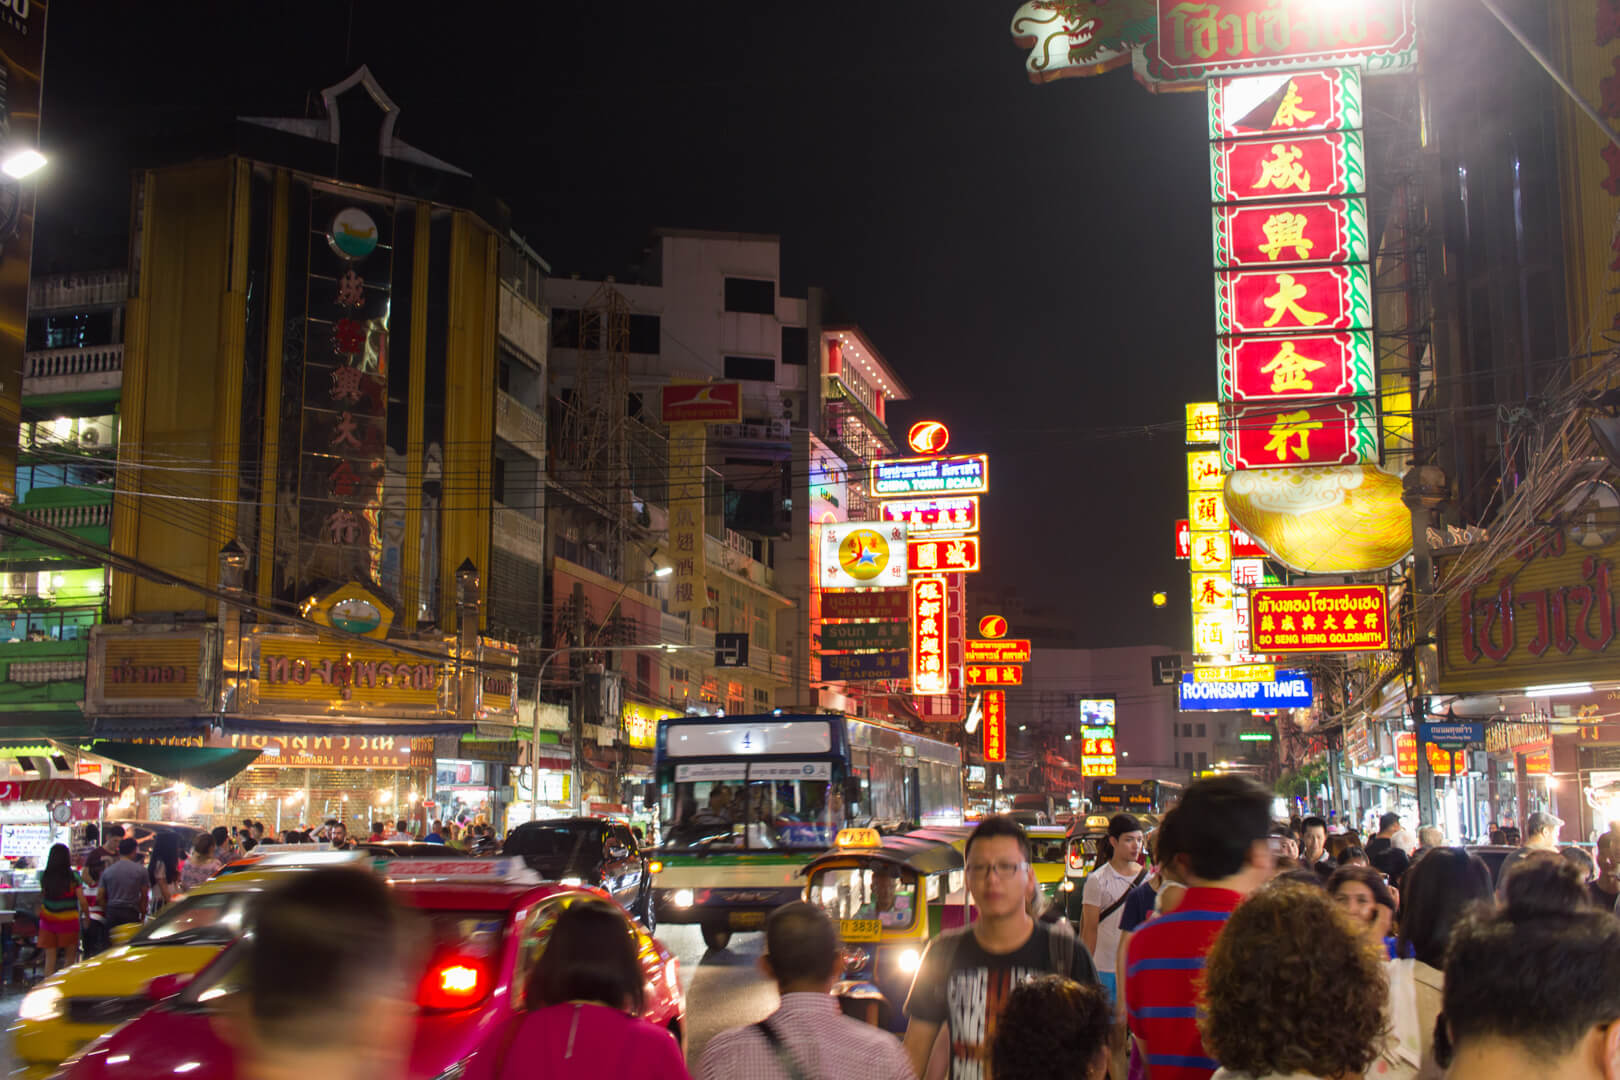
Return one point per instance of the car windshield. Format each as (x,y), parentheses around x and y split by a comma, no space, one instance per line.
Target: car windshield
(1045,851)
(762,815)
(879,891)
(211,919)
(555,841)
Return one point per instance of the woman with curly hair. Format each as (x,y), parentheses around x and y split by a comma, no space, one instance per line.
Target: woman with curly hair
(1292,989)
(1053,1028)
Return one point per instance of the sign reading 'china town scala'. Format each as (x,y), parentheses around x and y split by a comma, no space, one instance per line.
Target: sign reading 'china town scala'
(1341,618)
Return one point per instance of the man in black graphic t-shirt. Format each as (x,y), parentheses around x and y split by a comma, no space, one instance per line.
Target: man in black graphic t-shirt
(966,975)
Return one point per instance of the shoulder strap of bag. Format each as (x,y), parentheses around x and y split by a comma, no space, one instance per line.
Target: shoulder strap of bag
(1120,900)
(778,1048)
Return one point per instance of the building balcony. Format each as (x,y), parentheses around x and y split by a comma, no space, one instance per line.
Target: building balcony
(524,326)
(82,516)
(41,674)
(103,288)
(520,425)
(66,371)
(518,533)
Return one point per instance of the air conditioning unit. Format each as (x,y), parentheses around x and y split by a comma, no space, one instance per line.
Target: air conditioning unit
(793,408)
(780,429)
(727,431)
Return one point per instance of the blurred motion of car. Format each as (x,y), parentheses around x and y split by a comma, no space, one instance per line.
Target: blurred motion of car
(491,920)
(597,852)
(146,963)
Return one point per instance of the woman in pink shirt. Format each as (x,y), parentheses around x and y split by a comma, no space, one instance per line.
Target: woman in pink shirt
(586,999)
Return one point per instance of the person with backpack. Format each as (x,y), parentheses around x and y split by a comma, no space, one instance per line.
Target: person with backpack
(1106,887)
(808,1037)
(966,975)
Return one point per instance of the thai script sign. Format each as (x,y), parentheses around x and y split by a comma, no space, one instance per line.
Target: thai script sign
(149,667)
(958,514)
(297,669)
(998,651)
(865,604)
(1196,40)
(840,637)
(967,474)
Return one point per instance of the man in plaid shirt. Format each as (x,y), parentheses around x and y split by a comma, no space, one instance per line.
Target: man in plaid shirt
(807,1037)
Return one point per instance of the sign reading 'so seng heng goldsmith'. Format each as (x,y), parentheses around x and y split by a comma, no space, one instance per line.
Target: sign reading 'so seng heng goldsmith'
(1341,618)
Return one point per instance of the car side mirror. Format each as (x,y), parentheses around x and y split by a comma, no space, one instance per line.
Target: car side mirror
(120,934)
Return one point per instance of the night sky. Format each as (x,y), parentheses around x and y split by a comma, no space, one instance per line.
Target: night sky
(1032,260)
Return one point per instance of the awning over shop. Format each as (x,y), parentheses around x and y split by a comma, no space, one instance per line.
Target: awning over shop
(136,727)
(199,766)
(60,789)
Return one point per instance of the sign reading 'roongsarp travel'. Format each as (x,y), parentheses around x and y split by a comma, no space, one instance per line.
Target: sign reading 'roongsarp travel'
(1340,618)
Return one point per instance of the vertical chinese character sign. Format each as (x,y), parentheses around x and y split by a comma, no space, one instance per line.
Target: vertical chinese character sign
(345,372)
(689,585)
(1293,288)
(928,636)
(995,725)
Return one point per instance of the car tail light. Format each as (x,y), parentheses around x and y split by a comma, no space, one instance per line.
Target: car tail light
(455,982)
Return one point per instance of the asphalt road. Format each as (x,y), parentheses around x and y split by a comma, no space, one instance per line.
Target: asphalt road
(724,987)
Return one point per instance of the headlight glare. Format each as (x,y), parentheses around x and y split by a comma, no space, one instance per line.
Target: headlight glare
(40,1005)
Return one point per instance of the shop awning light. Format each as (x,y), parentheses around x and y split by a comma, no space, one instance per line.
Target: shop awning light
(1558,689)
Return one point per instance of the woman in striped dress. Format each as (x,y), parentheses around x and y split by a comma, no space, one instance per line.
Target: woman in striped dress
(60,897)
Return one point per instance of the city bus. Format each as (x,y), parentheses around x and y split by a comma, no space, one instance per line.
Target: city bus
(746,801)
(1137,796)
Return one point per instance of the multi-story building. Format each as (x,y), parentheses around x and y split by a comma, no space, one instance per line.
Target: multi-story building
(72,381)
(332,422)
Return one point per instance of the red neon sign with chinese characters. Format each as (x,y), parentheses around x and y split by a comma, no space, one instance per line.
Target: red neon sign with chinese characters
(1315,299)
(1406,754)
(1274,234)
(1338,364)
(1275,436)
(995,674)
(1243,106)
(1339,618)
(1288,167)
(928,636)
(954,556)
(995,725)
(1243,545)
(949,514)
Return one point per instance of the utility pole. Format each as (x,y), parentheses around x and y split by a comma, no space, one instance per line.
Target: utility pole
(576,723)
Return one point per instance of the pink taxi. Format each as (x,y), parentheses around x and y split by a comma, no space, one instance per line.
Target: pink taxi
(491,919)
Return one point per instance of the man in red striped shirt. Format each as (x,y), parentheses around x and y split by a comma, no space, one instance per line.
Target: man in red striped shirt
(1223,825)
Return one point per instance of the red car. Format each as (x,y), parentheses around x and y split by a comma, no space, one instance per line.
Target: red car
(491,920)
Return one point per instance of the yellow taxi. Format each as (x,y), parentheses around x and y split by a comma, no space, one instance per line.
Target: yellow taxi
(1048,846)
(146,963)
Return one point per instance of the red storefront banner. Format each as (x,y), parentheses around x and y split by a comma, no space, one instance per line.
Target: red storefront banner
(714,403)
(1288,167)
(949,514)
(865,604)
(1447,762)
(995,726)
(1272,234)
(1406,754)
(928,636)
(995,674)
(1245,106)
(997,651)
(1333,365)
(1319,299)
(1225,37)
(1340,618)
(1281,436)
(959,554)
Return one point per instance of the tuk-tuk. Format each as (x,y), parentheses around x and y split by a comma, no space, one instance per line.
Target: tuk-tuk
(889,896)
(1048,857)
(1081,856)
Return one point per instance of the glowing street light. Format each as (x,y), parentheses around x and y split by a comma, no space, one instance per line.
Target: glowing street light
(1161,598)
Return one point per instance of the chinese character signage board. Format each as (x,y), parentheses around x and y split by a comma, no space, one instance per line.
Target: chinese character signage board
(1225,37)
(1290,167)
(863,555)
(995,674)
(1446,762)
(1211,592)
(958,514)
(1212,553)
(995,725)
(1287,690)
(1246,106)
(1406,754)
(928,636)
(701,403)
(864,667)
(1546,615)
(1273,437)
(1275,234)
(998,651)
(1204,470)
(1316,298)
(967,474)
(689,584)
(1332,365)
(1214,633)
(1299,619)
(1203,423)
(844,637)
(952,555)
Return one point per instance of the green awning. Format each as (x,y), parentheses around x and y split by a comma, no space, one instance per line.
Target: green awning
(199,766)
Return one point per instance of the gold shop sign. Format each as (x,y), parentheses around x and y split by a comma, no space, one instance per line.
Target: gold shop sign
(306,751)
(150,667)
(300,669)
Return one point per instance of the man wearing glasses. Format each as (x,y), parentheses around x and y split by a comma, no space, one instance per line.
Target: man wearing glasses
(966,975)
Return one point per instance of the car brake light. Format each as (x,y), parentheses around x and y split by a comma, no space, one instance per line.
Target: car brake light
(454,983)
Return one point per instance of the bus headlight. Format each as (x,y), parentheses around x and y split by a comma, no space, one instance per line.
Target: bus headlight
(682,898)
(908,959)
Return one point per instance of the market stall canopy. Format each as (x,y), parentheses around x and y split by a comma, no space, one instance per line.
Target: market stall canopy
(61,789)
(199,766)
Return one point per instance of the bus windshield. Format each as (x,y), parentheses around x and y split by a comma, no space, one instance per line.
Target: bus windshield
(752,815)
